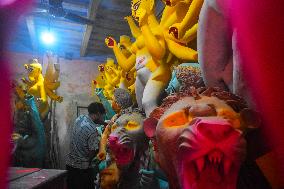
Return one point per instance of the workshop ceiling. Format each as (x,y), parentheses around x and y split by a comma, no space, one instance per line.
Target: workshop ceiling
(73,40)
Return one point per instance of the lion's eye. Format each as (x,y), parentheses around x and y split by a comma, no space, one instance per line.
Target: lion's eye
(30,69)
(227,114)
(176,119)
(122,47)
(132,125)
(231,116)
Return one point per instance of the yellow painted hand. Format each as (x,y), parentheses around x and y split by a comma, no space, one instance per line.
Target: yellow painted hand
(141,17)
(135,31)
(110,42)
(141,9)
(178,30)
(181,51)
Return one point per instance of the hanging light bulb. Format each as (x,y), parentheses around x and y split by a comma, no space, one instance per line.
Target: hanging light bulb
(47,38)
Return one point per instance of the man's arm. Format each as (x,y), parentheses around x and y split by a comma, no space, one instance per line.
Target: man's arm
(93,144)
(92,155)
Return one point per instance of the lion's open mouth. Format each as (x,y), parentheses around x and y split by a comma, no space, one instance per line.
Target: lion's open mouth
(209,170)
(210,152)
(123,153)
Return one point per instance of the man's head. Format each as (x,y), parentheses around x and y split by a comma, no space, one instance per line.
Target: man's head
(96,111)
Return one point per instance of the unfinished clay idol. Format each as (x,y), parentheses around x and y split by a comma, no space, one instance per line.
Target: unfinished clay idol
(30,140)
(218,50)
(129,145)
(198,138)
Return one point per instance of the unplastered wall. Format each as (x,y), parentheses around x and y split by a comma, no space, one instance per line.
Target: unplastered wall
(75,77)
(17,61)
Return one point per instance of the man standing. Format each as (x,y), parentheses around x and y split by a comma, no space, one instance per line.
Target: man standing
(84,146)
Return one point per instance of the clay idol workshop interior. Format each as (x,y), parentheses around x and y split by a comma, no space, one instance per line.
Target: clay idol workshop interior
(141,94)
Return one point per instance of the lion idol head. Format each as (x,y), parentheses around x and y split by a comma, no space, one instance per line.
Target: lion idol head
(198,138)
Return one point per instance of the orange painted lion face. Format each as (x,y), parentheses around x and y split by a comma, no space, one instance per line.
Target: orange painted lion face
(199,139)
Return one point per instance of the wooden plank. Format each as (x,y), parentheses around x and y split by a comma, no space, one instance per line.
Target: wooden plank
(44,178)
(91,15)
(32,31)
(18,172)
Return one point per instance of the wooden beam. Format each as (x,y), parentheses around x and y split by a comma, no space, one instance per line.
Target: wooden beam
(32,31)
(40,19)
(78,3)
(109,30)
(115,13)
(75,7)
(93,7)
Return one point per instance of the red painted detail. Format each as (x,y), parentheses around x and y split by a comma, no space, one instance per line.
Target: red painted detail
(174,31)
(30,170)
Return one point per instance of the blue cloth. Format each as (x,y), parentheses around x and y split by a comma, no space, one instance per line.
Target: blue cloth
(163,184)
(174,84)
(38,128)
